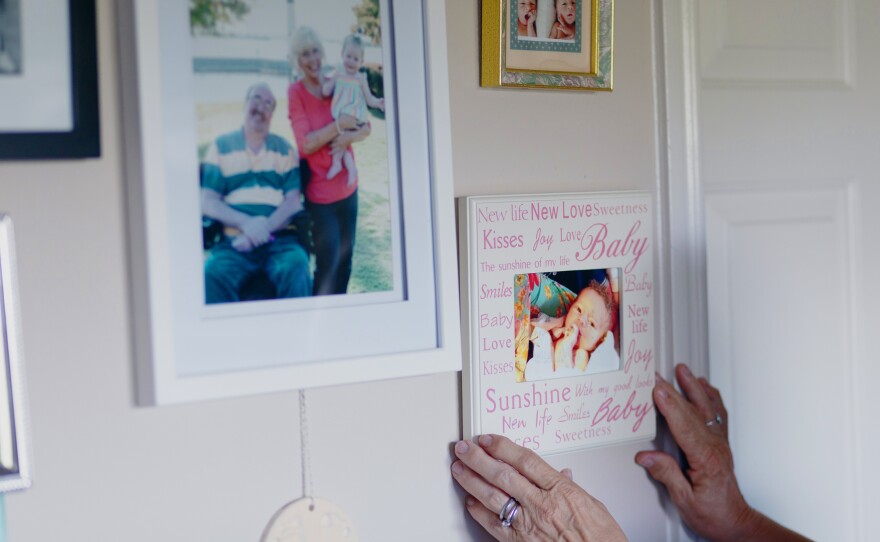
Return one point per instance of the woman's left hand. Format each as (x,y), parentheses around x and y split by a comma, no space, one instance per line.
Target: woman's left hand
(551,506)
(707,495)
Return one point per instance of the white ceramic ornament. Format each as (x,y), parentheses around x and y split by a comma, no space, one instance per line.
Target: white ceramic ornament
(309,520)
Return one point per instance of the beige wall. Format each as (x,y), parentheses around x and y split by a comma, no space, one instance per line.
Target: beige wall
(106,470)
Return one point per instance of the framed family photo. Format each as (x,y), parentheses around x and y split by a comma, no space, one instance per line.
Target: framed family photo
(559,318)
(15,470)
(290,193)
(563,44)
(48,80)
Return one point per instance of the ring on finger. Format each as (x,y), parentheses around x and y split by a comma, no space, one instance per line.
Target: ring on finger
(508,506)
(717,419)
(509,513)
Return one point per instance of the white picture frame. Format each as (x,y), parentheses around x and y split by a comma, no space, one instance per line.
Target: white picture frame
(536,370)
(187,351)
(15,464)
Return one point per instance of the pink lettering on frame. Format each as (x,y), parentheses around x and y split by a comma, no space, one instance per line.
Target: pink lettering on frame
(610,411)
(596,245)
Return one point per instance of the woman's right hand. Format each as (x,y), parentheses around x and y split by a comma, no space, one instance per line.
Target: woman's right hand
(551,506)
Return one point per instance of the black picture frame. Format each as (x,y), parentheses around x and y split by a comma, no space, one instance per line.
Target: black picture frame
(84,140)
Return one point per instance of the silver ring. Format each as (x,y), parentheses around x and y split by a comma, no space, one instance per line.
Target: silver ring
(508,519)
(505,510)
(718,419)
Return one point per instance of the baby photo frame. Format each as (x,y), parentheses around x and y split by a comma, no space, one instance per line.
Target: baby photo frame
(565,44)
(558,318)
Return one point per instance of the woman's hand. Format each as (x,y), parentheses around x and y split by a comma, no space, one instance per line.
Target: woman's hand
(707,496)
(347,122)
(551,506)
(343,140)
(344,128)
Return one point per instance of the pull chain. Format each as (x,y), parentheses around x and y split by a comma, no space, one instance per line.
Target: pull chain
(305,456)
(308,518)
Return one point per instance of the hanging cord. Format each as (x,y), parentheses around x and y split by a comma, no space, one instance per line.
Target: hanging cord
(305,456)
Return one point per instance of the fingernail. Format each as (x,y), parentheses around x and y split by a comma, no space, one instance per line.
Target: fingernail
(662,393)
(462,447)
(470,501)
(686,370)
(646,462)
(485,440)
(658,377)
(457,468)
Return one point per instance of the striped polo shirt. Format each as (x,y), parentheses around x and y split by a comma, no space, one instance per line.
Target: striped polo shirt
(253,183)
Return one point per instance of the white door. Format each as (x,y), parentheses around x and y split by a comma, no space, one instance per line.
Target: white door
(778,123)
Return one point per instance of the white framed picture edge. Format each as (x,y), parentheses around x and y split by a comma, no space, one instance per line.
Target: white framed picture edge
(17,427)
(158,381)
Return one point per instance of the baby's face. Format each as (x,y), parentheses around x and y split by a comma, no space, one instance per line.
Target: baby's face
(526,10)
(352,58)
(592,318)
(566,10)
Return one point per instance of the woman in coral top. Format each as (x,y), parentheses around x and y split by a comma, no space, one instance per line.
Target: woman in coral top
(332,202)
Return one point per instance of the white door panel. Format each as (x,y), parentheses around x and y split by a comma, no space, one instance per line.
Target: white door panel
(779,42)
(780,335)
(775,153)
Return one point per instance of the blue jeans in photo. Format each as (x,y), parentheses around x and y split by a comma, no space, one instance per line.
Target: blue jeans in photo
(284,261)
(334,233)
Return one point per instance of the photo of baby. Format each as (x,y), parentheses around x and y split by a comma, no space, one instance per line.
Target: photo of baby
(543,20)
(351,96)
(566,323)
(527,13)
(551,36)
(565,23)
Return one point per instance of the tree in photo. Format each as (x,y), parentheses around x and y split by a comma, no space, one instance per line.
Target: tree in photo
(368,22)
(206,15)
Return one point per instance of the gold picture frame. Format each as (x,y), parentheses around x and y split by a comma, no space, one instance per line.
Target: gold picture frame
(547,53)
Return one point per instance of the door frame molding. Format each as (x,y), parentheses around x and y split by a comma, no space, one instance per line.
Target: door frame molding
(684,337)
(680,163)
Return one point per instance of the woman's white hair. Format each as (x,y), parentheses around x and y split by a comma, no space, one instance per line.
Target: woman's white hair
(304,38)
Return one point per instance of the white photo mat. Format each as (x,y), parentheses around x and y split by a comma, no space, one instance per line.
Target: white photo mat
(15,467)
(45,68)
(525,259)
(187,351)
